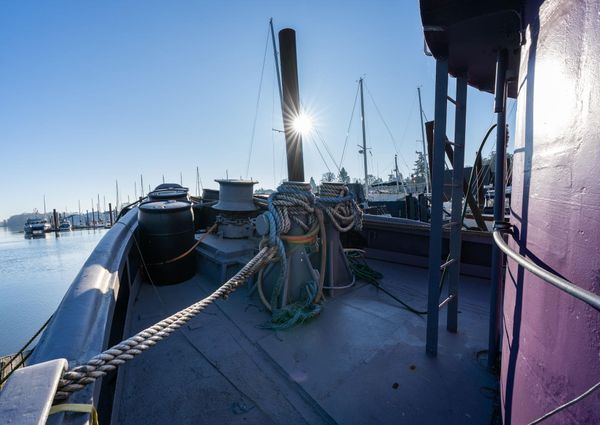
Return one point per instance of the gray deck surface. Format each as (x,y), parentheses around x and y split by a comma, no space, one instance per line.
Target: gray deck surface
(362,361)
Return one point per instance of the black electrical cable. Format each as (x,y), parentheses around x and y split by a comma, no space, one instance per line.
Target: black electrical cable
(485,138)
(362,270)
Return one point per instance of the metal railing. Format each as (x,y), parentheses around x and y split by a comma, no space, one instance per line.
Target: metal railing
(557,281)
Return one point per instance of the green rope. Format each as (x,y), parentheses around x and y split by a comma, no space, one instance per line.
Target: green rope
(296,313)
(363,271)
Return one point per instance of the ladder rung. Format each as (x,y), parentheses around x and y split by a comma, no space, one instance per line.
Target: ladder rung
(447,263)
(446,301)
(453,144)
(450,224)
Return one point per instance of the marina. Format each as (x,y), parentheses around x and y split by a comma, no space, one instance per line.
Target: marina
(457,293)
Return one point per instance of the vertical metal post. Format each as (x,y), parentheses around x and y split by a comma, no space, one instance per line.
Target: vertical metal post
(364,137)
(437,188)
(291,104)
(55,219)
(497,256)
(110,213)
(427,186)
(457,197)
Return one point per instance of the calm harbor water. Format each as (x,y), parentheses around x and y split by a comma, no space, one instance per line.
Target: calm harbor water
(34,275)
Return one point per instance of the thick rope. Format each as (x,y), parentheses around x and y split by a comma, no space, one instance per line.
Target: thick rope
(78,377)
(341,208)
(292,204)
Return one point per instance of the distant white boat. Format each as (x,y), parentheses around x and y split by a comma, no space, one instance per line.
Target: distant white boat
(65,226)
(36,226)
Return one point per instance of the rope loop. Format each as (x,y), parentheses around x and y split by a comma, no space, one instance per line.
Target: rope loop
(340,206)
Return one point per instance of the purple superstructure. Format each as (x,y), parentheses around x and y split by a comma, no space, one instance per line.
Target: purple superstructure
(551,341)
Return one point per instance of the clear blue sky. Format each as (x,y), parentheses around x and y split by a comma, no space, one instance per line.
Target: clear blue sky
(93,92)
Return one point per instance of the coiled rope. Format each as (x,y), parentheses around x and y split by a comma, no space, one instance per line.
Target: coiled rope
(294,203)
(339,204)
(78,377)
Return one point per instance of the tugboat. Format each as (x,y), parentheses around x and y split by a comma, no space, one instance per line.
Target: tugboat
(258,313)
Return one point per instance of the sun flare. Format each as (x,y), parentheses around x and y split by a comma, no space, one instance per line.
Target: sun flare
(303,124)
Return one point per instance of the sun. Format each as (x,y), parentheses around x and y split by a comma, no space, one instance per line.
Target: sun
(303,124)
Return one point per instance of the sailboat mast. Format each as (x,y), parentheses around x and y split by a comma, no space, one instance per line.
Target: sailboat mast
(398,178)
(423,140)
(364,135)
(197,181)
(396,171)
(117,196)
(276,62)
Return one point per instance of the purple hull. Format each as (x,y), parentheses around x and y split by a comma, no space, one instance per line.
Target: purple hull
(551,341)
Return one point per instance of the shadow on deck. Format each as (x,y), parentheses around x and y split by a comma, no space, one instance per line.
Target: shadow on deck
(361,361)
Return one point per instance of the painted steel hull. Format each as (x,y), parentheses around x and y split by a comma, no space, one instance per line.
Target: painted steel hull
(551,341)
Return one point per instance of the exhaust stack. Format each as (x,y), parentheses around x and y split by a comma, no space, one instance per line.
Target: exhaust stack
(291,104)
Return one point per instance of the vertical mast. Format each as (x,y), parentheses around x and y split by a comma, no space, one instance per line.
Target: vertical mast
(396,172)
(135,190)
(142,185)
(364,135)
(44,205)
(117,198)
(276,62)
(197,182)
(423,140)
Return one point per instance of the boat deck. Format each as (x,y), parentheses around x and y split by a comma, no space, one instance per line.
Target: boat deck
(361,361)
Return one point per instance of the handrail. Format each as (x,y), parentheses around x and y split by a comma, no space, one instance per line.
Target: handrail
(557,281)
